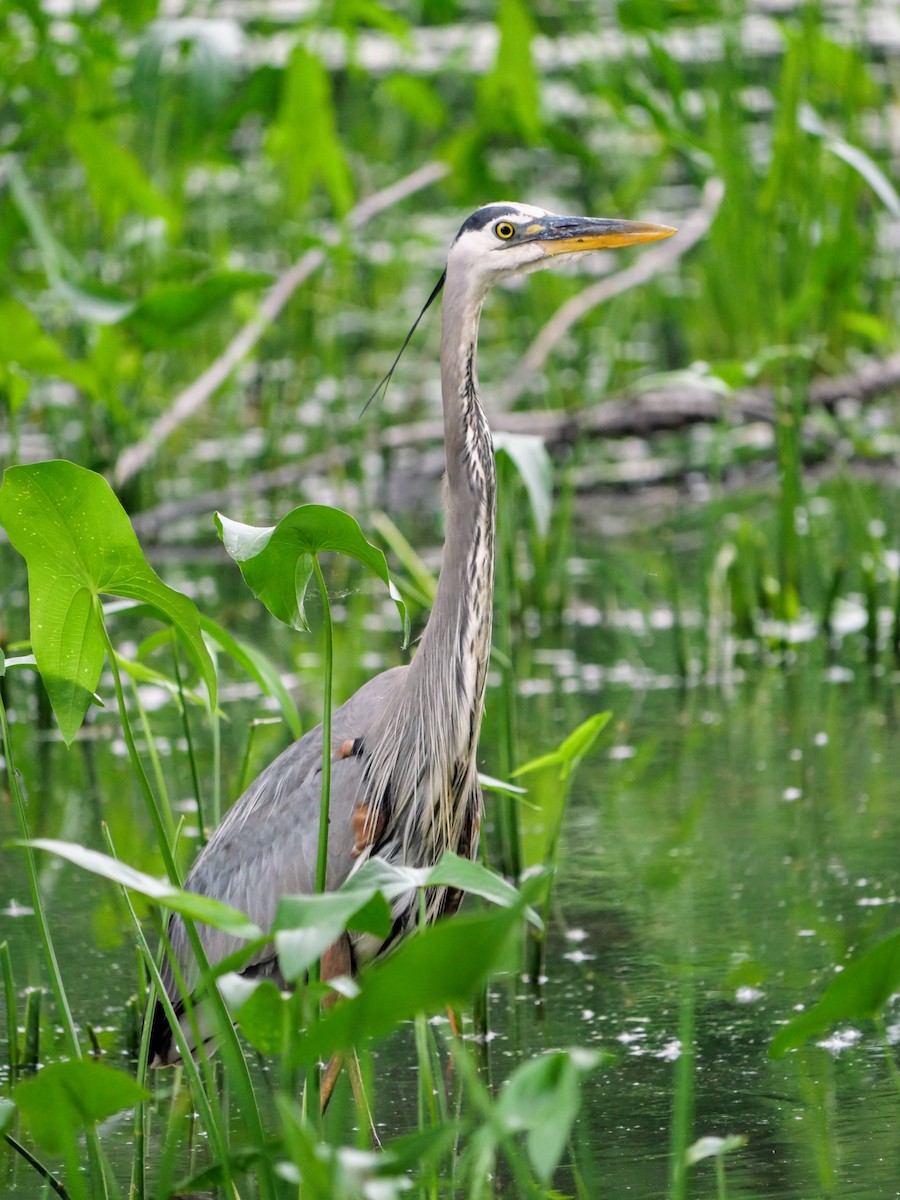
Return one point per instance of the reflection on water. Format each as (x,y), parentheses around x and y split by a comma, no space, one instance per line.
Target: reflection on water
(721,853)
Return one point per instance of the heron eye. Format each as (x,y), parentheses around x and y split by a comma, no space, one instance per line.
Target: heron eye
(504,230)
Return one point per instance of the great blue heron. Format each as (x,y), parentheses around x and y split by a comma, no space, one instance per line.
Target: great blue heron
(404,782)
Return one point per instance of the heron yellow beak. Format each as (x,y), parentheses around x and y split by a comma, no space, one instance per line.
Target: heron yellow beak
(567,235)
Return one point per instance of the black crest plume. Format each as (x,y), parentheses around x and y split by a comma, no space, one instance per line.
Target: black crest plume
(385,383)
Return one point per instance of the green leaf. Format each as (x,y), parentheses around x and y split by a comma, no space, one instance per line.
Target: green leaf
(78,543)
(305,926)
(276,562)
(176,308)
(25,344)
(260,1007)
(189,904)
(450,870)
(571,751)
(304,139)
(117,182)
(509,95)
(528,454)
(542,1098)
(259,667)
(67,1097)
(856,158)
(442,965)
(860,991)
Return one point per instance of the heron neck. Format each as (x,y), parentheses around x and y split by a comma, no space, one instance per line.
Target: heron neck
(454,649)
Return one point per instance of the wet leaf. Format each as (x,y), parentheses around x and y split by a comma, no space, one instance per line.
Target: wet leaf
(78,543)
(67,1097)
(860,991)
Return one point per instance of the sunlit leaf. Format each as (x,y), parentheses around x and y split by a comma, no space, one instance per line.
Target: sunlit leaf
(509,95)
(451,870)
(276,562)
(304,140)
(78,543)
(860,991)
(854,157)
(189,904)
(67,1097)
(26,345)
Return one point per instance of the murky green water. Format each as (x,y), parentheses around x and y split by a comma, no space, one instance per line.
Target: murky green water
(723,848)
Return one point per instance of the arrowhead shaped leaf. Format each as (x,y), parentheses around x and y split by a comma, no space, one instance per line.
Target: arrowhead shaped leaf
(78,543)
(276,562)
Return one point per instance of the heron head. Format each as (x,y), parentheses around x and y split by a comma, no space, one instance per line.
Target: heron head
(507,238)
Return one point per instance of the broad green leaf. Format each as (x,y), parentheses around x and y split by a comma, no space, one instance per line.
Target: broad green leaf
(189,904)
(861,990)
(78,544)
(542,1098)
(442,965)
(67,1097)
(571,751)
(305,926)
(276,562)
(528,454)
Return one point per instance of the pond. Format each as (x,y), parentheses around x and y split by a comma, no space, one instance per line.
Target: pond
(723,848)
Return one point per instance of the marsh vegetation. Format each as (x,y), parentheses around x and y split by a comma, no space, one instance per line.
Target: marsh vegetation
(679,961)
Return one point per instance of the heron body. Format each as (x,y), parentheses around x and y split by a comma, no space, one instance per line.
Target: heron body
(404,782)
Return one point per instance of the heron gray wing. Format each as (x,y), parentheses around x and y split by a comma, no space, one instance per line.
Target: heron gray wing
(267,845)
